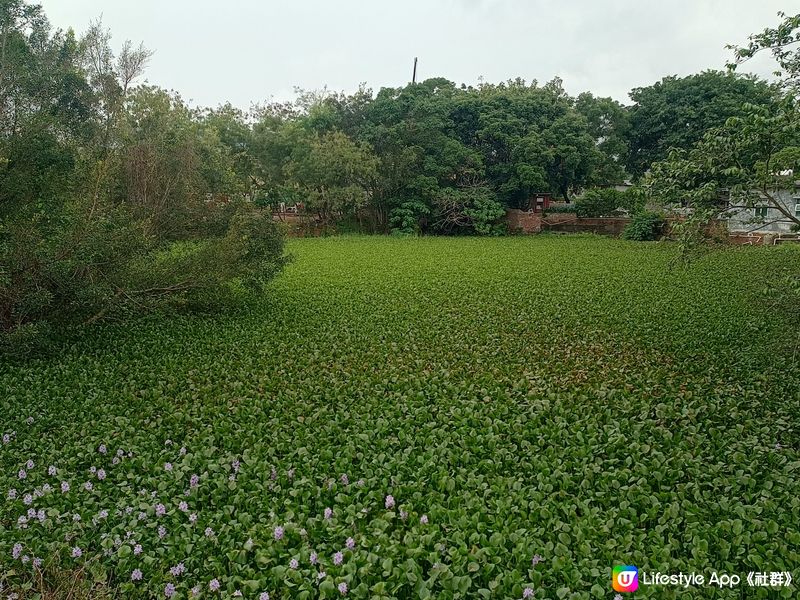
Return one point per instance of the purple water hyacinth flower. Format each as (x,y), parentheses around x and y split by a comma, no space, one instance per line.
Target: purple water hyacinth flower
(137,549)
(183,506)
(338,558)
(76,517)
(6,438)
(213,585)
(115,460)
(51,470)
(77,552)
(22,522)
(103,514)
(169,590)
(102,449)
(168,466)
(235,465)
(92,470)
(293,564)
(161,510)
(25,558)
(16,551)
(136,575)
(12,494)
(29,420)
(328,513)
(162,532)
(168,442)
(313,558)
(120,452)
(22,474)
(177,570)
(88,486)
(403,514)
(31,513)
(37,562)
(536,559)
(142,516)
(423,519)
(263,596)
(47,488)
(194,481)
(273,474)
(209,532)
(343,478)
(527,592)
(64,487)
(350,543)
(360,483)
(30,464)
(342,588)
(41,516)
(27,499)
(182,451)
(389,502)
(101,474)
(237,594)
(195,591)
(193,518)
(278,533)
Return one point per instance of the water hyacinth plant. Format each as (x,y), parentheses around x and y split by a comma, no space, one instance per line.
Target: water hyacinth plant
(493,418)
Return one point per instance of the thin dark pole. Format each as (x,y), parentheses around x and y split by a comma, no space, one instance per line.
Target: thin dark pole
(414,77)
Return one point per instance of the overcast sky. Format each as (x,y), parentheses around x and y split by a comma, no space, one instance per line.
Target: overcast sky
(245,51)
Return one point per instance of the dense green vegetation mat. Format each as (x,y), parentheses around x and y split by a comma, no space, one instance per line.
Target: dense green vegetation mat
(461,406)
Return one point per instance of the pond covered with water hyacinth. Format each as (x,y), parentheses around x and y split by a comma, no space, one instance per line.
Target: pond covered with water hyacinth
(401,418)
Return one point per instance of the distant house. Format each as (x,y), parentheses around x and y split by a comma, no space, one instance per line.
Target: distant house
(764,218)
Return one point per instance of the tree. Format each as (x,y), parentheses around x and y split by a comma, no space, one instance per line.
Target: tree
(333,173)
(113,198)
(677,111)
(782,42)
(746,161)
(609,124)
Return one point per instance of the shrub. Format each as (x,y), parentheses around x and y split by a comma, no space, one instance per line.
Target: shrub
(599,203)
(645,227)
(406,219)
(473,210)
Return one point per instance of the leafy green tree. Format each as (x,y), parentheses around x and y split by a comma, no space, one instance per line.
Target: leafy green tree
(748,160)
(676,112)
(781,42)
(333,173)
(609,124)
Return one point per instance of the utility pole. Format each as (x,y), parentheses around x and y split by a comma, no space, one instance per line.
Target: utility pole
(414,76)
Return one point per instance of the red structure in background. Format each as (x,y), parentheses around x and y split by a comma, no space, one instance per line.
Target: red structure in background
(539,202)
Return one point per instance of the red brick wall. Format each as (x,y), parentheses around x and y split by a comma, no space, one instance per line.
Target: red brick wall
(605,225)
(520,221)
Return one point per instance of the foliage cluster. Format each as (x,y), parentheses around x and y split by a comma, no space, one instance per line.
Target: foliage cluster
(480,416)
(645,227)
(113,198)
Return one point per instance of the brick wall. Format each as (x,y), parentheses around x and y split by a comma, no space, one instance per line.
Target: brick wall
(604,226)
(521,221)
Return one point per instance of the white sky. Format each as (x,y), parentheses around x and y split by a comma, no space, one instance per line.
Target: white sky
(246,51)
